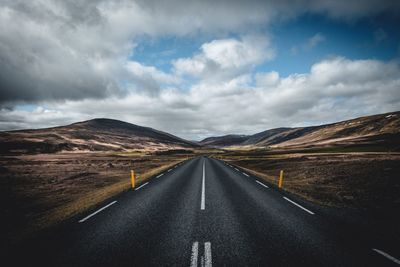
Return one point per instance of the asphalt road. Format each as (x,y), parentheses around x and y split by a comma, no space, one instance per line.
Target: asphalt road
(203,212)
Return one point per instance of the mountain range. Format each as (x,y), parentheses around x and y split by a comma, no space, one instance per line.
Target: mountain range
(381,130)
(112,135)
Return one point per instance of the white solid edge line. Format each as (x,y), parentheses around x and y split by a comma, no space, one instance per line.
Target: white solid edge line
(169,170)
(262,184)
(195,254)
(207,254)
(203,189)
(141,186)
(298,205)
(237,169)
(246,174)
(387,255)
(94,213)
(158,176)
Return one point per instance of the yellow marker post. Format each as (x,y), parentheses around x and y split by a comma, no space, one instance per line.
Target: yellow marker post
(280,179)
(133,178)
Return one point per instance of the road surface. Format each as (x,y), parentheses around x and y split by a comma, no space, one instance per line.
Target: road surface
(203,212)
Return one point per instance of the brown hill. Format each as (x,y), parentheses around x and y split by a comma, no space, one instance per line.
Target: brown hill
(378,130)
(92,135)
(223,141)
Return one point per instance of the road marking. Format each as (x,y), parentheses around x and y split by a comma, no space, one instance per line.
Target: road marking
(246,174)
(387,255)
(237,169)
(205,260)
(195,254)
(141,186)
(207,254)
(99,210)
(169,170)
(262,184)
(158,176)
(203,189)
(298,205)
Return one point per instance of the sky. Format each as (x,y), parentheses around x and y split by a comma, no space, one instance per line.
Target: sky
(198,68)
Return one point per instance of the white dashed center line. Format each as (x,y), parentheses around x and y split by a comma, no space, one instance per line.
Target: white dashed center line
(207,255)
(203,189)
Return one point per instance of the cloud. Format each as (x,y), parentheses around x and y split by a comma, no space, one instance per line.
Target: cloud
(149,77)
(309,44)
(224,58)
(47,54)
(267,79)
(314,41)
(68,50)
(352,10)
(334,89)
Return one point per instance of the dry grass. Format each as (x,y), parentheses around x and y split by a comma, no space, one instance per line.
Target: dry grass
(357,180)
(96,196)
(38,191)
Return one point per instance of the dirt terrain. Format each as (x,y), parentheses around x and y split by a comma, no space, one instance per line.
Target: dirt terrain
(41,190)
(368,181)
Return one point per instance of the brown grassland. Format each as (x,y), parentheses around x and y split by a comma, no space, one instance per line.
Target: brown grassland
(361,180)
(41,190)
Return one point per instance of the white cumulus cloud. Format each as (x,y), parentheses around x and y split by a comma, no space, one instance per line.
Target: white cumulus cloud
(226,58)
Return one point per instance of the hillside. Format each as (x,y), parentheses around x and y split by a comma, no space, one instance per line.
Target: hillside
(226,140)
(377,130)
(92,135)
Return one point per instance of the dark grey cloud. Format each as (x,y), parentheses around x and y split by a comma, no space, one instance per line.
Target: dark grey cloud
(353,9)
(45,53)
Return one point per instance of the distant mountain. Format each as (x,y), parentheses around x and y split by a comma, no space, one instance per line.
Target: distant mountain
(226,140)
(91,135)
(378,130)
(112,135)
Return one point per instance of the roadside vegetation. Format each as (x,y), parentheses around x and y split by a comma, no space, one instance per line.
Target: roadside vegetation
(361,180)
(41,190)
